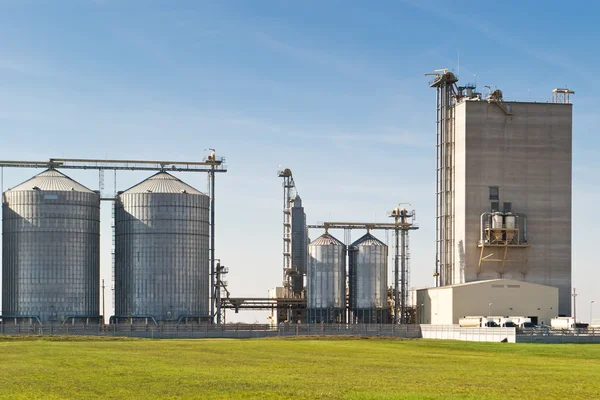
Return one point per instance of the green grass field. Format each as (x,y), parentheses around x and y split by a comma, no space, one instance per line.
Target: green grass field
(88,368)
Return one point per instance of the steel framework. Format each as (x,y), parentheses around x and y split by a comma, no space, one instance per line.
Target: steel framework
(405,219)
(445,84)
(403,222)
(289,194)
(211,164)
(562,95)
(506,241)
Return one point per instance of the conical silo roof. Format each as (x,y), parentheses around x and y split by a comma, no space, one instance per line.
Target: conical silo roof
(368,240)
(51,180)
(325,240)
(162,182)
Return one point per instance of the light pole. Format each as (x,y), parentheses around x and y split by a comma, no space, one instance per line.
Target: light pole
(103,303)
(591,305)
(490,309)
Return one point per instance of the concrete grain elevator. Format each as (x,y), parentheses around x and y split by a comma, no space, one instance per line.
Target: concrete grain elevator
(503,190)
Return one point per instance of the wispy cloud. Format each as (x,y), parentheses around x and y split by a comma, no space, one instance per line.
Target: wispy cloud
(23,67)
(502,38)
(348,67)
(145,44)
(398,138)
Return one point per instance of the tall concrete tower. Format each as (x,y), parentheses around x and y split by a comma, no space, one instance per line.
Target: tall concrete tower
(503,188)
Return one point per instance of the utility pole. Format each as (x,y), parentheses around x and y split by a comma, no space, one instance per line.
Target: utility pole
(103,302)
(574,305)
(218,292)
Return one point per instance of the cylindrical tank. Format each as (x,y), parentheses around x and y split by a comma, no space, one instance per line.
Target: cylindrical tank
(367,280)
(161,251)
(509,221)
(326,280)
(497,221)
(509,224)
(51,249)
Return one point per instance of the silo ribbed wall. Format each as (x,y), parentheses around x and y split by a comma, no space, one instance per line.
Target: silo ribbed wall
(162,252)
(326,280)
(51,251)
(367,280)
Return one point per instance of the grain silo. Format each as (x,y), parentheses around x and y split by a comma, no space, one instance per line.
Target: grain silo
(367,280)
(161,251)
(51,250)
(504,158)
(326,280)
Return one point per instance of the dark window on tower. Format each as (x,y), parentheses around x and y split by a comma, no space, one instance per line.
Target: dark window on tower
(494,206)
(494,193)
(507,207)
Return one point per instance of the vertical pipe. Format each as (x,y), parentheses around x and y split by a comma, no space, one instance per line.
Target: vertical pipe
(218,292)
(284,233)
(103,302)
(437,190)
(403,274)
(396,288)
(452,209)
(442,177)
(212,243)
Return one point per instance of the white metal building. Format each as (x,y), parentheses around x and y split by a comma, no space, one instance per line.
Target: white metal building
(498,297)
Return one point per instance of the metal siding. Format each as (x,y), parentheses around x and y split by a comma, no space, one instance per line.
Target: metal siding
(163,182)
(326,278)
(368,274)
(162,254)
(299,240)
(51,251)
(51,180)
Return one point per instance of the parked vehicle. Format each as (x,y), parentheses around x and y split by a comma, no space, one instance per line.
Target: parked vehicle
(470,322)
(562,323)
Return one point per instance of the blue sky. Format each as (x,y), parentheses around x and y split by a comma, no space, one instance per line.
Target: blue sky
(333,90)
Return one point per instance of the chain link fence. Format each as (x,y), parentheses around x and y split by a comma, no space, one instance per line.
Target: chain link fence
(214,331)
(245,331)
(546,335)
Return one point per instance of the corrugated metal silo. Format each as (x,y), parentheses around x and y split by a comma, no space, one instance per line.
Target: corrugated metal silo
(367,270)
(51,249)
(161,251)
(326,280)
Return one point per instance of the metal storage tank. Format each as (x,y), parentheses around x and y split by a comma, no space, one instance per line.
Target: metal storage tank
(326,280)
(509,223)
(497,221)
(367,280)
(161,251)
(51,250)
